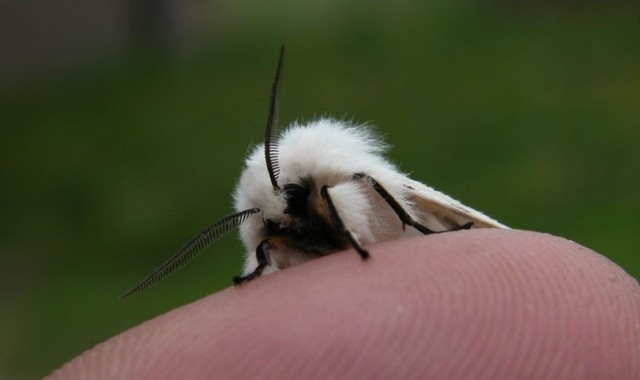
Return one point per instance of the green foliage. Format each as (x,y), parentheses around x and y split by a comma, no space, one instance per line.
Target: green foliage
(530,115)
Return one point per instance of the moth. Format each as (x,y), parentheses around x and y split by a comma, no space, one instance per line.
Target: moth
(319,188)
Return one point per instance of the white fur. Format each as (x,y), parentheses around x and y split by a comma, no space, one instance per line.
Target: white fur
(330,152)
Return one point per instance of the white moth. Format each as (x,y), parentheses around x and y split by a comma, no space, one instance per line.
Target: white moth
(320,188)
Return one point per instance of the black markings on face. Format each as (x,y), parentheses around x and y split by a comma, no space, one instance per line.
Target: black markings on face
(308,231)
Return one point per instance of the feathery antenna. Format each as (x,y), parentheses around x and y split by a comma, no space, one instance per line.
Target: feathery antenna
(197,244)
(271,135)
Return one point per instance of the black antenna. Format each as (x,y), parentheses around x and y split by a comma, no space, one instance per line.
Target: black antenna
(197,244)
(271,135)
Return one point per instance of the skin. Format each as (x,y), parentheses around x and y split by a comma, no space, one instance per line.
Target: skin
(478,304)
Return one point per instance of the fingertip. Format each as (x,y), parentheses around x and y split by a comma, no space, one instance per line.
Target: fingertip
(480,303)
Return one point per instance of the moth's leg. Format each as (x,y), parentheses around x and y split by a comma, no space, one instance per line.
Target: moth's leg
(404,216)
(264,259)
(335,217)
(465,226)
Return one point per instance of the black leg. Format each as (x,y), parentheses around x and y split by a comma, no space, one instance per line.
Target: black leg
(262,254)
(405,218)
(465,226)
(333,213)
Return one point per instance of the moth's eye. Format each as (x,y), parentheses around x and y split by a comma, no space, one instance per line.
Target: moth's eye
(271,225)
(296,197)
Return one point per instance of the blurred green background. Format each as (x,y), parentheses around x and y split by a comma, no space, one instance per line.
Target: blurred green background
(118,146)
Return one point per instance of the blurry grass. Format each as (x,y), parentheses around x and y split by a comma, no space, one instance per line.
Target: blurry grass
(530,116)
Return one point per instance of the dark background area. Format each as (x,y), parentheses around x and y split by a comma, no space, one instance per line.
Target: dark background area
(124,129)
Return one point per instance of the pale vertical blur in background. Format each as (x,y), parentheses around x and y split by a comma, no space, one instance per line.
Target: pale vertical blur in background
(124,126)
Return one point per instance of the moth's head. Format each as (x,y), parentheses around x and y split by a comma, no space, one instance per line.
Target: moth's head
(283,207)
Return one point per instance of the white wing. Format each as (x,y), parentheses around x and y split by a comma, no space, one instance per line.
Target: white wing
(432,206)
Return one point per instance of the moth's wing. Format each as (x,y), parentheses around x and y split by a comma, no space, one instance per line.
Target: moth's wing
(434,207)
